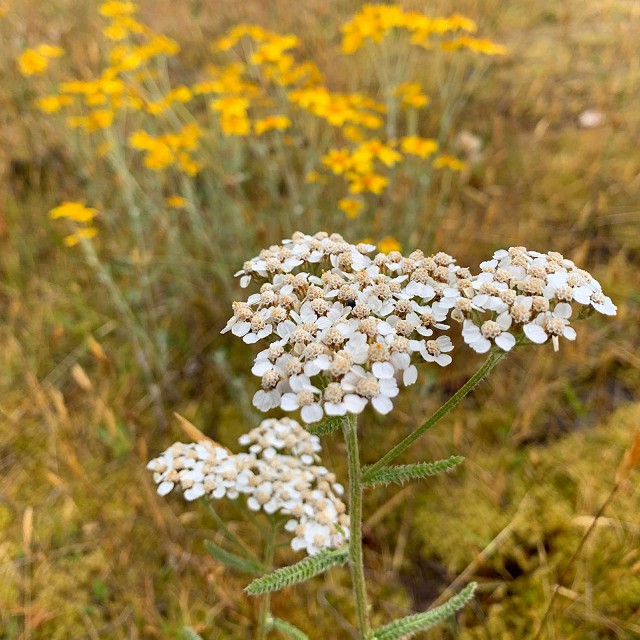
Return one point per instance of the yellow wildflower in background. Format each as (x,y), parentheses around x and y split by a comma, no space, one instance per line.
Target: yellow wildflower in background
(351,207)
(235,125)
(389,244)
(449,162)
(36,61)
(315,177)
(369,182)
(175,201)
(115,8)
(417,146)
(374,148)
(75,211)
(338,160)
(280,123)
(51,104)
(411,95)
(81,234)
(477,45)
(98,119)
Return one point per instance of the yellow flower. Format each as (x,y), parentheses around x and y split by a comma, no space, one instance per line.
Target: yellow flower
(417,146)
(314,176)
(31,63)
(159,157)
(411,94)
(98,119)
(51,104)
(116,31)
(376,149)
(115,8)
(338,160)
(141,140)
(75,211)
(351,207)
(175,201)
(188,165)
(389,244)
(179,94)
(449,162)
(368,182)
(49,51)
(235,125)
(231,106)
(81,234)
(352,133)
(280,123)
(477,45)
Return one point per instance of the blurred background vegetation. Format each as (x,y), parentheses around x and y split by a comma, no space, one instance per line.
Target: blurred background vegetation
(549,136)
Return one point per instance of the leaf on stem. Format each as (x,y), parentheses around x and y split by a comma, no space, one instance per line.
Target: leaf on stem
(287,629)
(407,627)
(327,426)
(406,472)
(246,565)
(189,634)
(300,572)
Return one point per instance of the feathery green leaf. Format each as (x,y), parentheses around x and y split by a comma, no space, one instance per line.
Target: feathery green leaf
(327,426)
(287,629)
(406,627)
(189,634)
(299,572)
(247,565)
(405,472)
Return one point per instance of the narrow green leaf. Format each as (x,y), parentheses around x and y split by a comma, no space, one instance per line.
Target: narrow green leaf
(327,426)
(287,629)
(406,627)
(247,565)
(405,472)
(189,634)
(299,572)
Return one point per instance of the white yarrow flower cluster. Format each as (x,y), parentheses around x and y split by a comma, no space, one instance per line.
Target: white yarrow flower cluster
(345,329)
(279,474)
(521,292)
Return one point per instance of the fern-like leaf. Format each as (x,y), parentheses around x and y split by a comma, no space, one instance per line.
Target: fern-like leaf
(407,627)
(189,634)
(300,572)
(287,629)
(404,472)
(327,426)
(246,565)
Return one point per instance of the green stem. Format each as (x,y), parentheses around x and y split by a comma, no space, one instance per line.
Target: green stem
(264,616)
(492,360)
(355,536)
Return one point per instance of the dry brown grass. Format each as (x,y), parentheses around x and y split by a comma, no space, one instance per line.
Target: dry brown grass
(89,551)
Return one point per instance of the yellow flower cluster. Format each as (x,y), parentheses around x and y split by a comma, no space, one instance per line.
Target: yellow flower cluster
(118,87)
(266,93)
(339,109)
(169,149)
(411,95)
(375,22)
(80,214)
(36,61)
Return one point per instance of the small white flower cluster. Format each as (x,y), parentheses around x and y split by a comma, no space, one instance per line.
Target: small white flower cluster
(279,474)
(347,328)
(527,292)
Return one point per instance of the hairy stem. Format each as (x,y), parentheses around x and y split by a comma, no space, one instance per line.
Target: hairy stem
(355,536)
(492,360)
(264,616)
